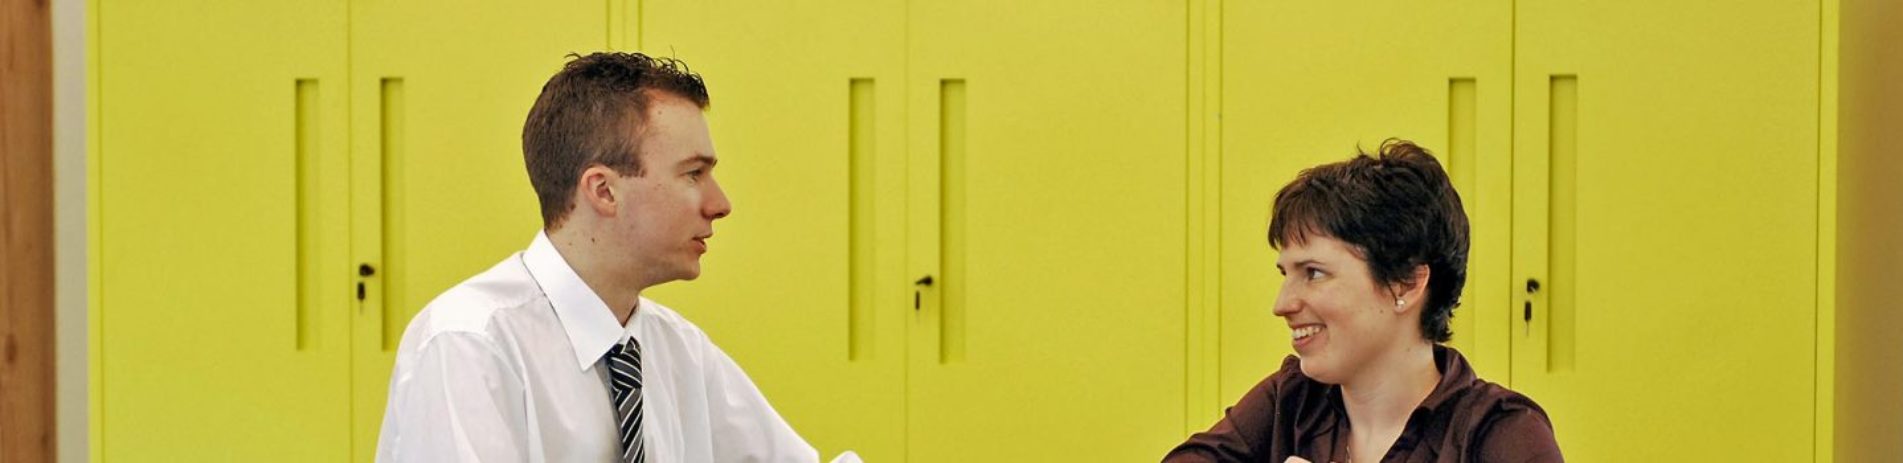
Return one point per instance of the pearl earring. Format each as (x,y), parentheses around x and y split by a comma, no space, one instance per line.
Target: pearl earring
(1400,302)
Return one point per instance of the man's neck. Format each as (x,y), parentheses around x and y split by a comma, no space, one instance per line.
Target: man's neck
(596,267)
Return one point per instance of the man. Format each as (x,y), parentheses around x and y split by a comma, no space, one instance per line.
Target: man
(553,355)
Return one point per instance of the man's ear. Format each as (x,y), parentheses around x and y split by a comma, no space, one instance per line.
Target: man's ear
(596,190)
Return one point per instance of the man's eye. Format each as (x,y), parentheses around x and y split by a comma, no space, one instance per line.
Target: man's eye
(1315,274)
(696,173)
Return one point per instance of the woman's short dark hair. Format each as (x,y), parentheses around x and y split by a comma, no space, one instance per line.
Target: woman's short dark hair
(590,113)
(1398,211)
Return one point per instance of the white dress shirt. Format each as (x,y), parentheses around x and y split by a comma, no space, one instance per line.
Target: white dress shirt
(507,367)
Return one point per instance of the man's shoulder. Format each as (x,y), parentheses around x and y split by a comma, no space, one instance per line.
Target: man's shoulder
(474,304)
(671,321)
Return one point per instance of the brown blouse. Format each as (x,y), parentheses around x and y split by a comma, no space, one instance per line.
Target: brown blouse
(1465,419)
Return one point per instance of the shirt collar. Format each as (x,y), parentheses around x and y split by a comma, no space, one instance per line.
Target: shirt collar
(1455,377)
(590,325)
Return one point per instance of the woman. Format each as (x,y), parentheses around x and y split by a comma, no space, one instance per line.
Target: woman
(1374,253)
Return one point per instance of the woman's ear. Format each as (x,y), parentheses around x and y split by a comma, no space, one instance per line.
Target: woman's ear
(1413,292)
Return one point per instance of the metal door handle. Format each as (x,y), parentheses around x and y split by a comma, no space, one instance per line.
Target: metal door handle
(917,294)
(366,271)
(1526,312)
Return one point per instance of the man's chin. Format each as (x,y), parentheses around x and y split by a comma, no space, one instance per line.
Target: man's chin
(682,275)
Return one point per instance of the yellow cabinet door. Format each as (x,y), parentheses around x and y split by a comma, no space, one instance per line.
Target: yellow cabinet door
(1307,83)
(1047,205)
(804,285)
(440,90)
(222,323)
(1666,188)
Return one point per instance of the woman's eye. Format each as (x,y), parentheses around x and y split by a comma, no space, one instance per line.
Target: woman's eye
(1315,274)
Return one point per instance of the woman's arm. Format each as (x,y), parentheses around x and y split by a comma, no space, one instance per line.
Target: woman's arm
(1241,435)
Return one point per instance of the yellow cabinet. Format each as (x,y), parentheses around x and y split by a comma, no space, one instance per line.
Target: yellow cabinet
(918,267)
(1644,186)
(1666,180)
(972,230)
(438,188)
(1307,83)
(1047,190)
(281,188)
(803,286)
(220,328)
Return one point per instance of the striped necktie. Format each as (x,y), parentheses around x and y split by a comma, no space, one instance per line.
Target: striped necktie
(624,371)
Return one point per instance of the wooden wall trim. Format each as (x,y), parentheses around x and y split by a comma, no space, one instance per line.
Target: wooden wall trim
(1869,377)
(26,235)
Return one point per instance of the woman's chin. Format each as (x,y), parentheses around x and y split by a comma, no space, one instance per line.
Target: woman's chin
(1318,369)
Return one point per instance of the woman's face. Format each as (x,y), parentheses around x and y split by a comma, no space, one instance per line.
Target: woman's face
(1341,321)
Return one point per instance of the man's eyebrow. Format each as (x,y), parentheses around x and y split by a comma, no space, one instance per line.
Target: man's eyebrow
(701,158)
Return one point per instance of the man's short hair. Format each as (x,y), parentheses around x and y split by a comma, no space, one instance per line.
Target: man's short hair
(592,112)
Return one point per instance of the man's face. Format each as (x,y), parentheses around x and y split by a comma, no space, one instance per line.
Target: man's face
(673,204)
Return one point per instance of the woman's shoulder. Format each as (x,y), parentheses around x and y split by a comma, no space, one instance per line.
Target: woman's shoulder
(1494,398)
(1500,424)
(1474,400)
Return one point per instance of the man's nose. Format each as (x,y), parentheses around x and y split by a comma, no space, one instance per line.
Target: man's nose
(718,207)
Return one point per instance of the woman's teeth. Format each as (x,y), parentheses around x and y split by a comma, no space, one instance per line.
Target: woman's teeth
(1305,331)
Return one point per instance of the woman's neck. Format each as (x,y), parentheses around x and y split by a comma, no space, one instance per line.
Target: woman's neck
(1380,402)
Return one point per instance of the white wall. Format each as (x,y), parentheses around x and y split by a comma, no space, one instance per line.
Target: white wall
(69,228)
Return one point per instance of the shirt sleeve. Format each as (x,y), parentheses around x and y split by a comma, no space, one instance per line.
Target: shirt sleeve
(1241,434)
(1518,435)
(457,401)
(748,428)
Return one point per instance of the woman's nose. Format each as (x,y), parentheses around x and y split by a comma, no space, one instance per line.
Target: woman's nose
(1286,303)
